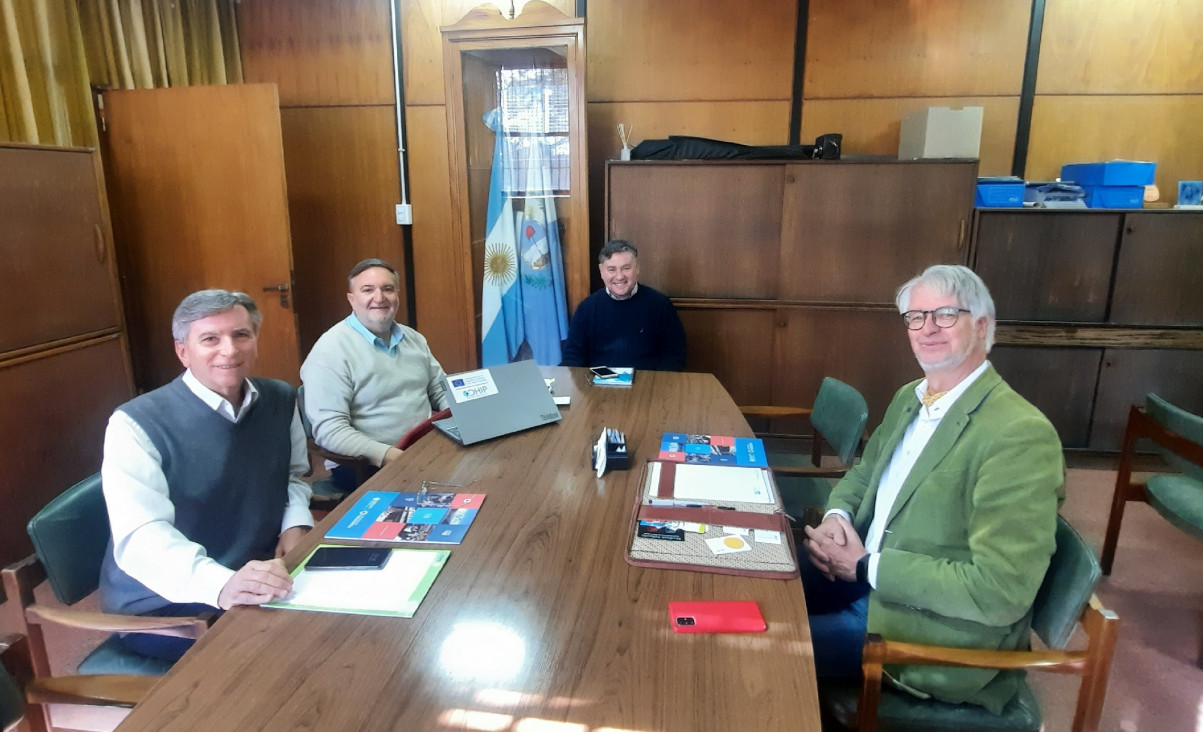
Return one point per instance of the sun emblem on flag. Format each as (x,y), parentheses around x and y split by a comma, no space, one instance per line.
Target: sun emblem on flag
(501,266)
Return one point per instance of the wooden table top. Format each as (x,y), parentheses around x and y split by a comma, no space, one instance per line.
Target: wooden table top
(536,624)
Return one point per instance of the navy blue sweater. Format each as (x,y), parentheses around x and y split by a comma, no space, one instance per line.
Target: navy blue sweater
(642,331)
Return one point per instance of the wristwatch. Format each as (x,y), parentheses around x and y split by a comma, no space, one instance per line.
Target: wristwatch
(862,570)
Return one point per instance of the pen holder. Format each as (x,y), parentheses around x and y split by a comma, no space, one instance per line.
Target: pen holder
(617,457)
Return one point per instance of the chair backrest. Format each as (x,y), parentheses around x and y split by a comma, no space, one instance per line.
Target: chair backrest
(1182,422)
(301,411)
(71,536)
(418,432)
(839,414)
(1068,584)
(12,701)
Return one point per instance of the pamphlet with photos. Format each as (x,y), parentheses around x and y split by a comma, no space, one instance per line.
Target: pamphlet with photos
(713,450)
(433,518)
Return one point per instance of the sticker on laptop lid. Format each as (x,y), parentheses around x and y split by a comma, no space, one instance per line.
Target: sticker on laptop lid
(471,385)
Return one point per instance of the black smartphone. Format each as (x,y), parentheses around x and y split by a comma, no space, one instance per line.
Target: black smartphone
(348,557)
(603,372)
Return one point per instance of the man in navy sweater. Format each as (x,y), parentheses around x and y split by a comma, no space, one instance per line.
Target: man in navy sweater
(625,323)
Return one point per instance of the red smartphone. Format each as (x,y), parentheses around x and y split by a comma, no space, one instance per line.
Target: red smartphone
(733,616)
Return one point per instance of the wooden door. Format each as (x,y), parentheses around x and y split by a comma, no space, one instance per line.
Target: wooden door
(199,201)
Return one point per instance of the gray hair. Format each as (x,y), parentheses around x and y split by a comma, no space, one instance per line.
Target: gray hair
(204,303)
(616,246)
(954,280)
(368,264)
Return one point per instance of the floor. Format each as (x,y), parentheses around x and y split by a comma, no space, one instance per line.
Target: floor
(1156,588)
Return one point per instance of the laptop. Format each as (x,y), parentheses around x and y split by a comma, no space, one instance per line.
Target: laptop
(496,401)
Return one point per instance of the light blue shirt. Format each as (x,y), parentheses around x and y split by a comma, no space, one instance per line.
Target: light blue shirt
(376,341)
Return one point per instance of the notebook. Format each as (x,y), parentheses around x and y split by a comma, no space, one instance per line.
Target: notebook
(497,401)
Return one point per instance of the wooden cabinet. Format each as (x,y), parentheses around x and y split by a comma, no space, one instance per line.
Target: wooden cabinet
(64,360)
(1096,309)
(785,272)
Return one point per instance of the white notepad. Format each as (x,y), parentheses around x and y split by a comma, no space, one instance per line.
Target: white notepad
(719,483)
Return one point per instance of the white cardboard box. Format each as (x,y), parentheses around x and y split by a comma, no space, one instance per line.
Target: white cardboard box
(941,132)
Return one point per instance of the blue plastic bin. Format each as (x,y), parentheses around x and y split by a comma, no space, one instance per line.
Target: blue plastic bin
(1113,173)
(1115,196)
(999,195)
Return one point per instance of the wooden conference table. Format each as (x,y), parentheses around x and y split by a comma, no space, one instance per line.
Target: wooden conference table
(536,624)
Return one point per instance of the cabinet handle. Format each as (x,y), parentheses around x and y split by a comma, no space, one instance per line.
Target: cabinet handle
(961,236)
(98,239)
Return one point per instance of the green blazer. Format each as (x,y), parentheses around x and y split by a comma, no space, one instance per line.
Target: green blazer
(969,537)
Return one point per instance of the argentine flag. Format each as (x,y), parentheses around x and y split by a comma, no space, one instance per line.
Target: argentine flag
(501,326)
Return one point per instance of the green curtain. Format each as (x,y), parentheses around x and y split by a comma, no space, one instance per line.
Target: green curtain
(52,50)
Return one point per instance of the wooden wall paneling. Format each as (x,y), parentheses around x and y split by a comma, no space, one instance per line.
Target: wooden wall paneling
(887,48)
(1059,381)
(319,52)
(1121,47)
(341,164)
(853,232)
(734,344)
(1071,129)
(871,126)
(72,391)
(444,312)
(703,230)
(696,50)
(1159,277)
(1128,376)
(865,348)
(56,246)
(1053,265)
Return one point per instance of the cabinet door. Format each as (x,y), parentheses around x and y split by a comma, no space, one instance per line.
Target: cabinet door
(1159,280)
(52,427)
(1059,381)
(53,241)
(868,349)
(853,232)
(1053,265)
(710,230)
(1128,376)
(736,345)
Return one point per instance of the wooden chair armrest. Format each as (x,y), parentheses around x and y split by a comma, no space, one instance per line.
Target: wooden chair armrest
(334,456)
(182,627)
(923,655)
(767,411)
(103,690)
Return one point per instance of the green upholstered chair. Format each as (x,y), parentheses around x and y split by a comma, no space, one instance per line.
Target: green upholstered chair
(1177,496)
(12,698)
(70,537)
(1065,599)
(325,494)
(838,417)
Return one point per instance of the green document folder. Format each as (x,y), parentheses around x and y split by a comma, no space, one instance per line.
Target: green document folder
(394,590)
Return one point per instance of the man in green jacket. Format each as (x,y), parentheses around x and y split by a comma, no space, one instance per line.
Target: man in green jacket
(944,530)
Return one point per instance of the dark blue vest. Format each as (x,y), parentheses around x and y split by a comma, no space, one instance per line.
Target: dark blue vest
(227,481)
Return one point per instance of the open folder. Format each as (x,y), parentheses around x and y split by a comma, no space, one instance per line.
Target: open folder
(711,518)
(396,589)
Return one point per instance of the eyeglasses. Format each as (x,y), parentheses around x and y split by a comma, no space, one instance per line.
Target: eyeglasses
(942,317)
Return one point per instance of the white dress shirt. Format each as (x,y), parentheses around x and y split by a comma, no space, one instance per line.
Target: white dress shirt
(146,544)
(918,433)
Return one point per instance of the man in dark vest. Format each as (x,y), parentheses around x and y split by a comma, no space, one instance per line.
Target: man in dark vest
(202,478)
